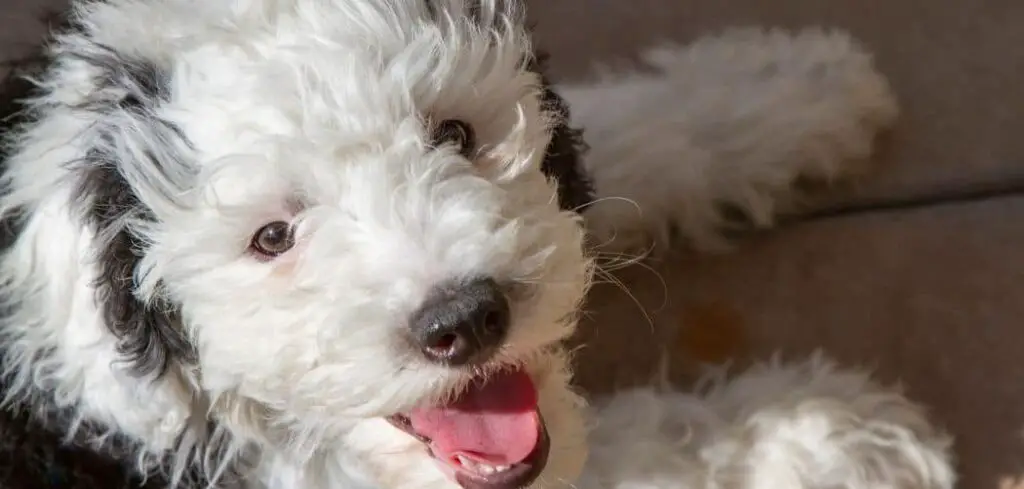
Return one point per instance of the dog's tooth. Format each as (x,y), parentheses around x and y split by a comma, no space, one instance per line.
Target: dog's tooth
(480,467)
(467,463)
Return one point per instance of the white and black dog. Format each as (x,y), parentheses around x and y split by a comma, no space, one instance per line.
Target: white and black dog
(329,244)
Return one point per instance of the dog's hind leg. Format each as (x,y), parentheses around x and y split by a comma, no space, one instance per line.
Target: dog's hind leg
(724,133)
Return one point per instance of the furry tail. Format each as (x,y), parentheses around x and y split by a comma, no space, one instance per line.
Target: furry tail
(722,134)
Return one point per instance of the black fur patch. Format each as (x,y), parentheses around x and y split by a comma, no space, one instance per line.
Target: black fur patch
(563,157)
(151,337)
(38,458)
(37,454)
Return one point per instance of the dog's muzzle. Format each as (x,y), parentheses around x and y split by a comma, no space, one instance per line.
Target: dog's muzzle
(492,436)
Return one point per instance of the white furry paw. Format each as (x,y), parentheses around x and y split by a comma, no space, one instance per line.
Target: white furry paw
(812,425)
(719,140)
(806,425)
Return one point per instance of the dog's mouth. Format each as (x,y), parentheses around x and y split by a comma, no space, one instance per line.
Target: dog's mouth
(491,437)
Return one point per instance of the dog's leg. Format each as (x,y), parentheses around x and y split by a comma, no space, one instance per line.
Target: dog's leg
(813,425)
(724,132)
(802,426)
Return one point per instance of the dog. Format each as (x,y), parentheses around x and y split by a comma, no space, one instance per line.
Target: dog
(323,244)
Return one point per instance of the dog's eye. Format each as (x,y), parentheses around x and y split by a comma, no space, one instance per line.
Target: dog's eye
(454,132)
(273,239)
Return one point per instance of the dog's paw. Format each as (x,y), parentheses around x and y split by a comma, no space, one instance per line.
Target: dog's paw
(727,135)
(814,426)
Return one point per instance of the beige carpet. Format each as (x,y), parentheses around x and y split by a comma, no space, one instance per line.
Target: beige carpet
(932,295)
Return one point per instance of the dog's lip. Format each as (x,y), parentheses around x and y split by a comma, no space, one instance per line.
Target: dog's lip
(402,422)
(518,476)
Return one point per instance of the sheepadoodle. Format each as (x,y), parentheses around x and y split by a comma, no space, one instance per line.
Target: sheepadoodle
(332,244)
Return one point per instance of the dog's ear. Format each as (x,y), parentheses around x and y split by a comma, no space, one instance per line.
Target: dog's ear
(150,334)
(564,154)
(133,166)
(562,159)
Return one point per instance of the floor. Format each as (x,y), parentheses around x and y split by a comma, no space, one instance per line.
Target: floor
(916,272)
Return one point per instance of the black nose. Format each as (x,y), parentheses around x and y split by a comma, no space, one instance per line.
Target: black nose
(462,324)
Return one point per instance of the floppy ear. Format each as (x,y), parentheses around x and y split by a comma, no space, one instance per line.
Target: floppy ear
(150,334)
(134,165)
(111,180)
(130,150)
(563,157)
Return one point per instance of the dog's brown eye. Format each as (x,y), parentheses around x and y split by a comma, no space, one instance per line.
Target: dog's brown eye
(273,239)
(454,132)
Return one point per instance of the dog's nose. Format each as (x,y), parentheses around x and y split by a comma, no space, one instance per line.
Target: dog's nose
(462,324)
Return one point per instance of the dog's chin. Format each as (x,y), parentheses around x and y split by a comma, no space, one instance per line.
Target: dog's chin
(491,436)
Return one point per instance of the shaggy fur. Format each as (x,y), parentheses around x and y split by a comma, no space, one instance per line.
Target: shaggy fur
(147,338)
(805,424)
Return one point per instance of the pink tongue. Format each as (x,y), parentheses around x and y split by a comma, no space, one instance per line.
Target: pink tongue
(495,423)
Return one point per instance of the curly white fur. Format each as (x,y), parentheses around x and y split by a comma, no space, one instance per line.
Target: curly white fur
(313,112)
(802,424)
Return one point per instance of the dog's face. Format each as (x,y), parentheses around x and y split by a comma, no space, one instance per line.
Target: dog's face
(367,256)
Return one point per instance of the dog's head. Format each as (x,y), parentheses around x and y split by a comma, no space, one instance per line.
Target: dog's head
(344,218)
